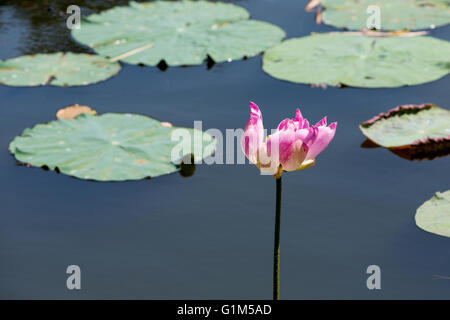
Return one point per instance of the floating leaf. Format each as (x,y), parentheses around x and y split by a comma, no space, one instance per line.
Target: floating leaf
(56,69)
(359,61)
(394,14)
(177,33)
(73,111)
(110,147)
(434,215)
(411,131)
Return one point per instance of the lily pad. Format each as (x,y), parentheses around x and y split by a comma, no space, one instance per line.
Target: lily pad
(417,131)
(359,61)
(394,14)
(56,69)
(434,215)
(110,147)
(177,33)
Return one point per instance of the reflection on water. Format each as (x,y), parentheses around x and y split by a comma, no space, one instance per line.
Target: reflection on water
(430,151)
(187,170)
(43,22)
(369,144)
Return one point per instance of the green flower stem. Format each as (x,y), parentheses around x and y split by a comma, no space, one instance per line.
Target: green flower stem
(276,249)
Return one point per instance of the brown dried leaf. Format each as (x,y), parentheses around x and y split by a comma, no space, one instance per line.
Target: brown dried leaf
(166,124)
(312,4)
(73,111)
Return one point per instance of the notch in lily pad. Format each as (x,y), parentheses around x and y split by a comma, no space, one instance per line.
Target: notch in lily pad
(411,131)
(111,147)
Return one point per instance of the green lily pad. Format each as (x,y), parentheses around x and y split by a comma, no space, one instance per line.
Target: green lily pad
(110,147)
(410,126)
(394,14)
(56,69)
(434,215)
(178,33)
(359,61)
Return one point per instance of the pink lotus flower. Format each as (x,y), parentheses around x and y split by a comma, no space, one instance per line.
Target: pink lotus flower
(293,146)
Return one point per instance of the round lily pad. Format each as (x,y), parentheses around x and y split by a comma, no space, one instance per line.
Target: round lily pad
(110,147)
(434,215)
(359,61)
(409,125)
(178,33)
(394,14)
(56,69)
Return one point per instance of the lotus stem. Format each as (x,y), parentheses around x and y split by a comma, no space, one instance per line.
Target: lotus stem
(276,249)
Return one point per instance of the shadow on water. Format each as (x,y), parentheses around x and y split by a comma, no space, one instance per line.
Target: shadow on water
(421,152)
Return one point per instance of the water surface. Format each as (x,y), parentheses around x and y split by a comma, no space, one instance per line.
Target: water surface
(211,235)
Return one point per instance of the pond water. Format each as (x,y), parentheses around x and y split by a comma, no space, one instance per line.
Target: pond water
(211,235)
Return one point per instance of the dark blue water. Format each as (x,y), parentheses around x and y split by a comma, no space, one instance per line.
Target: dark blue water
(211,235)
